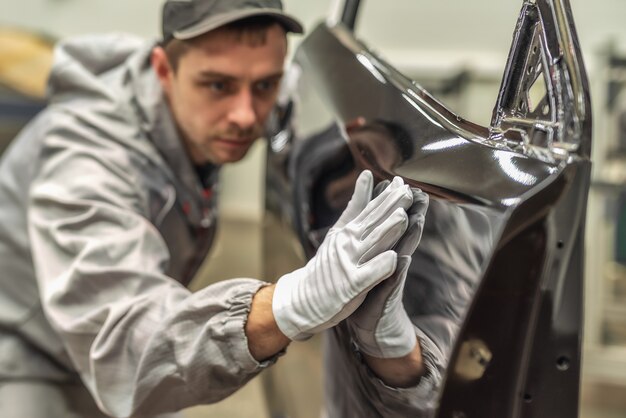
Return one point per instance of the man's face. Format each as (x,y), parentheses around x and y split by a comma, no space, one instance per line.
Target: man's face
(223,91)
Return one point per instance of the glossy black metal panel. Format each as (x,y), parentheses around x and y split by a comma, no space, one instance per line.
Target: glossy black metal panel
(524,326)
(501,254)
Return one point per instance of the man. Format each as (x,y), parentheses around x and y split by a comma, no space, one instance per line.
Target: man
(108,207)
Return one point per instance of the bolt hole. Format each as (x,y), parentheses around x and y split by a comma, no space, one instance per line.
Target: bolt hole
(563,363)
(529,70)
(521,105)
(528,398)
(559,245)
(535,49)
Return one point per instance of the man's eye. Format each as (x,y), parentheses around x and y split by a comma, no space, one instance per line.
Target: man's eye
(266,86)
(215,86)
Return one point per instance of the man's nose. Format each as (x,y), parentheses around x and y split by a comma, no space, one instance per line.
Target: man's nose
(242,113)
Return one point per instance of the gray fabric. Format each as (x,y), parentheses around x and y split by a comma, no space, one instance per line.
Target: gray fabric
(96,247)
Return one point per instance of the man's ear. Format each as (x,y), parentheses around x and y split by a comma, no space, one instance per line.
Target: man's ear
(162,68)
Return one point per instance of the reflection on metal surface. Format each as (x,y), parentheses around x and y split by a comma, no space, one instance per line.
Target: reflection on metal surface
(423,112)
(511,202)
(507,162)
(499,266)
(368,64)
(445,144)
(474,357)
(279,141)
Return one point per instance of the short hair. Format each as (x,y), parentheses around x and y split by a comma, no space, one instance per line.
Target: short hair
(252,30)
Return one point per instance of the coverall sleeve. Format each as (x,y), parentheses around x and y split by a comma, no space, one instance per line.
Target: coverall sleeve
(141,342)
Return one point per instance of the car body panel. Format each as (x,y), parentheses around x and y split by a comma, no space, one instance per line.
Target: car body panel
(501,255)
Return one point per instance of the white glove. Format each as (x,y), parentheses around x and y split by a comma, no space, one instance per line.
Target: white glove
(381,326)
(355,256)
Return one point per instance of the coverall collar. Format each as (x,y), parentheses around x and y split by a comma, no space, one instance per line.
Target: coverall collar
(158,124)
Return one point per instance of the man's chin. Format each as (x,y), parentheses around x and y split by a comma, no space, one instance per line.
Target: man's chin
(223,152)
(229,156)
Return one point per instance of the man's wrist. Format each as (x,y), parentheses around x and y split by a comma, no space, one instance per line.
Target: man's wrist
(400,372)
(264,337)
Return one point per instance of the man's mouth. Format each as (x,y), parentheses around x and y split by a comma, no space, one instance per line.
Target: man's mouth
(235,142)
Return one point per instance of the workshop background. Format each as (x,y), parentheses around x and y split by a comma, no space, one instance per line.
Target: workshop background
(457,50)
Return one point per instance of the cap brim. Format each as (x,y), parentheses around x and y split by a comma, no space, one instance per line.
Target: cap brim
(214,22)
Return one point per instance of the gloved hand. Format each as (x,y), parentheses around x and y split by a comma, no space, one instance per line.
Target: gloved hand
(354,257)
(380,326)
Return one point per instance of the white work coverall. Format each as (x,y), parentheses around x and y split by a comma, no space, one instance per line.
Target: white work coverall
(103,221)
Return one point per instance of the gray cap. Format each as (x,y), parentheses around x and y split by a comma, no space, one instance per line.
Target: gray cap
(186,19)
